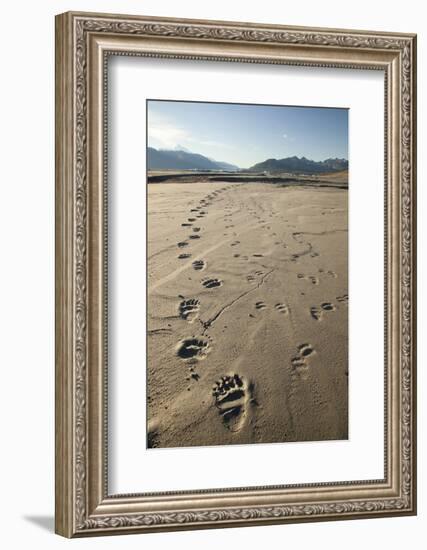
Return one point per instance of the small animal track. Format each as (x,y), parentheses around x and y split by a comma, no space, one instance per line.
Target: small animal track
(305,350)
(189,309)
(343,299)
(196,229)
(184,256)
(199,265)
(313,280)
(211,283)
(186,224)
(232,398)
(182,244)
(299,362)
(260,305)
(258,255)
(196,236)
(317,311)
(282,308)
(193,348)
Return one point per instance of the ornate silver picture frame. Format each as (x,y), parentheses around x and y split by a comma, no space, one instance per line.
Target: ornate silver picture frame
(84,43)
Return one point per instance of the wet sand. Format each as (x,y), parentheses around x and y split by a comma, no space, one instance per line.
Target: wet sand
(247,313)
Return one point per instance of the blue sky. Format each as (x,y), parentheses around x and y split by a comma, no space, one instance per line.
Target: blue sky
(247,134)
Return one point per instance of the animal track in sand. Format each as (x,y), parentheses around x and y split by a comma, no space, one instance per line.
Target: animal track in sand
(211,283)
(232,398)
(313,280)
(258,255)
(194,237)
(317,311)
(189,309)
(186,224)
(260,305)
(298,237)
(235,243)
(193,348)
(182,244)
(191,219)
(299,362)
(343,299)
(199,265)
(196,229)
(305,350)
(282,308)
(184,256)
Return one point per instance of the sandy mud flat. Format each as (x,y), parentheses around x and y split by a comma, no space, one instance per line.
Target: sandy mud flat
(247,330)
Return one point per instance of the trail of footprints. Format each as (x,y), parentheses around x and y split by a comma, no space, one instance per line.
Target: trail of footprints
(197,213)
(232,394)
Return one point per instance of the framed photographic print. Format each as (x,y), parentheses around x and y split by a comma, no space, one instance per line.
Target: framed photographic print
(235,274)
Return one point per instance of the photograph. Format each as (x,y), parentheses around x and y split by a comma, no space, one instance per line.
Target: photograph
(247,273)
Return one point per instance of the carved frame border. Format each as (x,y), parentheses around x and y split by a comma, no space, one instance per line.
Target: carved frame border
(83,42)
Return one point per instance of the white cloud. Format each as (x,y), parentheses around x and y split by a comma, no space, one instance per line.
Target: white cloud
(163,134)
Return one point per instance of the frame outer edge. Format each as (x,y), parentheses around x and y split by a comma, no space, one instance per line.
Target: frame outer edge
(64,275)
(413,216)
(72,483)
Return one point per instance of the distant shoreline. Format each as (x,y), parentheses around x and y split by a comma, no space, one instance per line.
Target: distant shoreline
(334,179)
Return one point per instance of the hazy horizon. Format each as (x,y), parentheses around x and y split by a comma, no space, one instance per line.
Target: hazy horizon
(244,134)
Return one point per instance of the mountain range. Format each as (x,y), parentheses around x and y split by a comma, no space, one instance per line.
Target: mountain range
(179,159)
(296,164)
(162,159)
